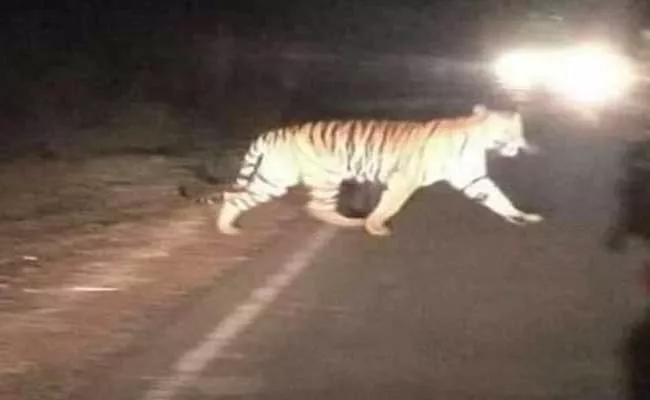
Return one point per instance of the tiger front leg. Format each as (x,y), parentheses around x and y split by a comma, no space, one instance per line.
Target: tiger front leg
(486,192)
(398,190)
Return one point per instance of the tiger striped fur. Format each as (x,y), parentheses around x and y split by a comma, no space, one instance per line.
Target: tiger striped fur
(403,156)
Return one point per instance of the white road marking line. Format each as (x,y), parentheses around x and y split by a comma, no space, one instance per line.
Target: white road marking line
(230,386)
(92,289)
(188,368)
(54,290)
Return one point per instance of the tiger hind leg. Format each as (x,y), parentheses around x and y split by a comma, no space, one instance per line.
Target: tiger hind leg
(323,206)
(228,215)
(236,203)
(273,176)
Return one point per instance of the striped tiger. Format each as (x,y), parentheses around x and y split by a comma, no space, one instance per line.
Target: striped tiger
(403,156)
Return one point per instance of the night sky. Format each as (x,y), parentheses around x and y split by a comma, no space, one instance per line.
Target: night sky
(410,23)
(425,26)
(38,37)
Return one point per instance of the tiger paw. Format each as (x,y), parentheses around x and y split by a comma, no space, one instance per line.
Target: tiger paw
(230,230)
(532,218)
(524,218)
(377,229)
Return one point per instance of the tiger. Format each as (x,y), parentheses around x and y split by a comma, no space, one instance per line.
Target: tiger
(402,156)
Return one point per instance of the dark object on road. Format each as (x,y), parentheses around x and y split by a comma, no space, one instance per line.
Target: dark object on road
(633,219)
(357,200)
(637,355)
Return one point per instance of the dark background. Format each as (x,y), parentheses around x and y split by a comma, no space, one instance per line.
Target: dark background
(69,67)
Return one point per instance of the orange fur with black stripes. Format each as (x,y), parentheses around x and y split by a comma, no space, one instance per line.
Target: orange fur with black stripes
(403,156)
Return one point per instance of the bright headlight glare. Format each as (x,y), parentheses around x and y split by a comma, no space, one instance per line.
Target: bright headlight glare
(520,69)
(587,74)
(590,75)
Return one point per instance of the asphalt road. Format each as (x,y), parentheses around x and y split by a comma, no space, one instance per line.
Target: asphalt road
(457,304)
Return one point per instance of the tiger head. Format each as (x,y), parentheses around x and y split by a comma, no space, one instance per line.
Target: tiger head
(505,131)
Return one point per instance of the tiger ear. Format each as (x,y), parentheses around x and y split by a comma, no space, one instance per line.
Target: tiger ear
(480,109)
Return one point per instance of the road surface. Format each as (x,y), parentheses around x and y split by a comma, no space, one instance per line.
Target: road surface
(455,305)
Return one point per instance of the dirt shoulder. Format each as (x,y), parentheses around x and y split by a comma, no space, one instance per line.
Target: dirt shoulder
(92,252)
